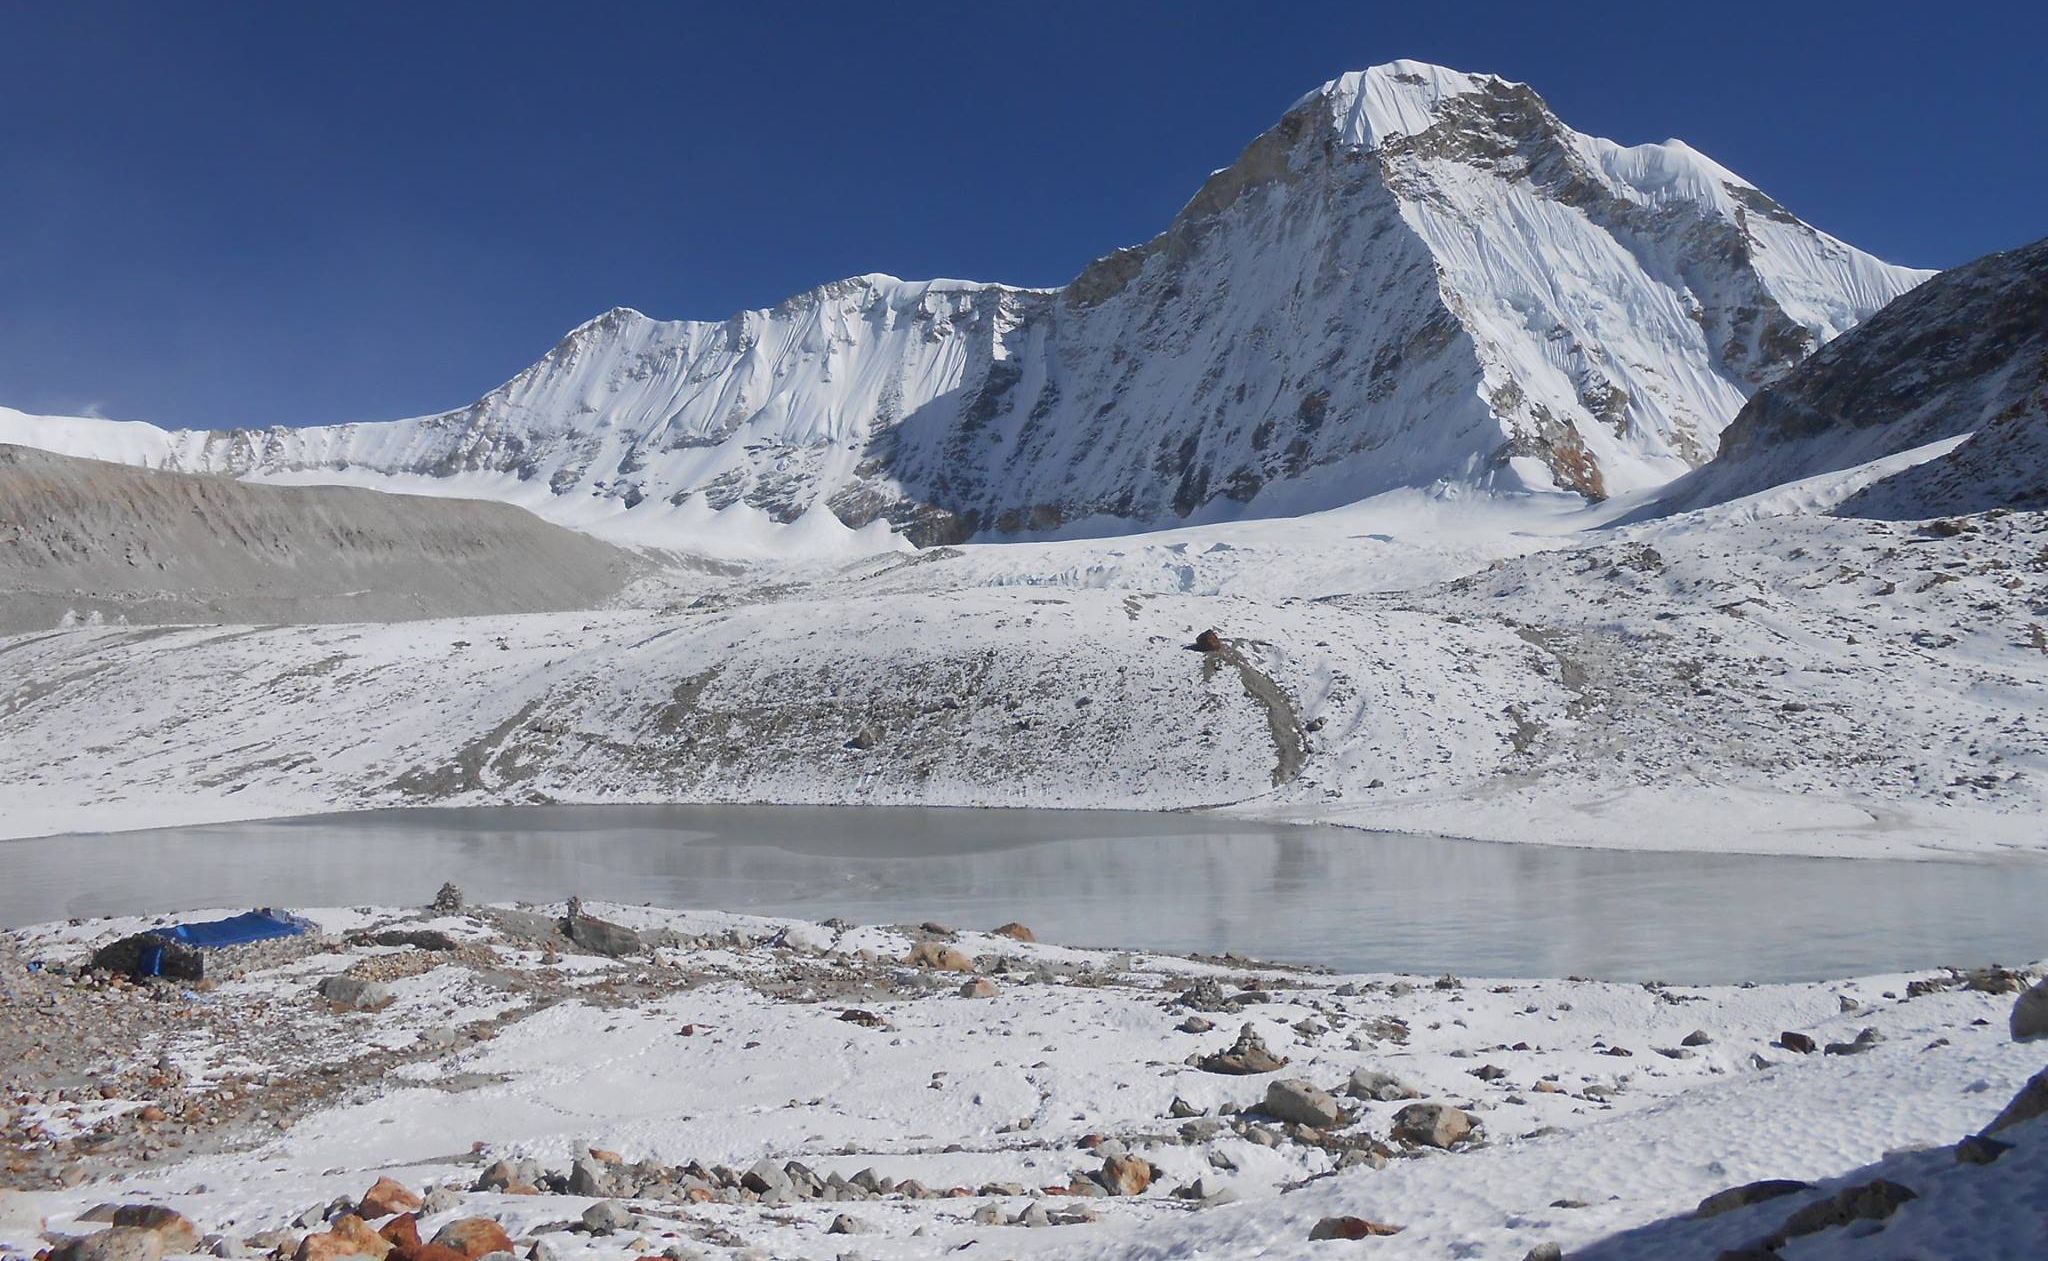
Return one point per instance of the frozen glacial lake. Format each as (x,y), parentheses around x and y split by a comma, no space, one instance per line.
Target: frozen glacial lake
(1355,901)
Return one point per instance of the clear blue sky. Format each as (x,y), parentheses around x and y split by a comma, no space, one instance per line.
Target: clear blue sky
(299,212)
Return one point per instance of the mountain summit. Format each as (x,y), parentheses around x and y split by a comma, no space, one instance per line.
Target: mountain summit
(1417,278)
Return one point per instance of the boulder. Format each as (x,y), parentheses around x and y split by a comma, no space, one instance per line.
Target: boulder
(1797,1042)
(442,1200)
(402,1233)
(1431,1124)
(847,1224)
(432,939)
(1978,1150)
(1869,1201)
(1350,1228)
(589,1177)
(1246,1056)
(601,936)
(939,956)
(1747,1194)
(362,1241)
(1994,980)
(606,1216)
(149,954)
(386,1197)
(979,987)
(1209,641)
(2030,1102)
(324,1245)
(1125,1175)
(116,1243)
(474,1237)
(1016,932)
(1303,1103)
(2030,1014)
(766,1176)
(177,1232)
(1371,1083)
(352,993)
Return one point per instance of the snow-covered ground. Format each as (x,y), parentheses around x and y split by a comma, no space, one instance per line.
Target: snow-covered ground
(723,1040)
(1753,678)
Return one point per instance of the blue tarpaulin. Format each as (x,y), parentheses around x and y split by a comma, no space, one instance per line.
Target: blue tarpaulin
(236,930)
(178,952)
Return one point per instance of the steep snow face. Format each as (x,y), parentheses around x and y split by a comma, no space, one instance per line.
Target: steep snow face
(1624,301)
(1966,354)
(1417,278)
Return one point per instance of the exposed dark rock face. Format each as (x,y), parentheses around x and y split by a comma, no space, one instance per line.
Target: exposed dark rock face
(1966,353)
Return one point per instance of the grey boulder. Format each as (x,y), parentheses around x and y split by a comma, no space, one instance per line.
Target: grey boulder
(1303,1103)
(1431,1124)
(2030,1014)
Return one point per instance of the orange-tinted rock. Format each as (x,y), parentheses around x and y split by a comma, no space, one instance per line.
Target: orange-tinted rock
(1126,1175)
(1016,932)
(359,1235)
(933,954)
(324,1245)
(386,1197)
(402,1232)
(1350,1228)
(473,1237)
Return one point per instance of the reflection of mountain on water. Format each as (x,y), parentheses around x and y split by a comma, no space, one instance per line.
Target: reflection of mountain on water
(1351,900)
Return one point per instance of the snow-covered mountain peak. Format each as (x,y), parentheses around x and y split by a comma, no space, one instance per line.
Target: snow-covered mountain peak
(1418,277)
(1397,98)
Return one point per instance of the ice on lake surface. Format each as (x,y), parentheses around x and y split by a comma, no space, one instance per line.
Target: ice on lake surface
(1350,900)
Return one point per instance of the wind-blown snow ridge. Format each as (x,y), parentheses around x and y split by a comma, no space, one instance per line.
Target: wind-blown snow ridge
(1419,278)
(1398,98)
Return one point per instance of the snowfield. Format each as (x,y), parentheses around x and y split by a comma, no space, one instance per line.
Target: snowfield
(1729,680)
(716,1042)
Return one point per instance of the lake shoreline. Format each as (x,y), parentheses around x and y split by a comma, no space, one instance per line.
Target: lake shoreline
(1002,1074)
(1176,883)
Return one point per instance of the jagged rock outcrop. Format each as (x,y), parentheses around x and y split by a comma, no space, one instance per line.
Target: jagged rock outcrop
(1964,354)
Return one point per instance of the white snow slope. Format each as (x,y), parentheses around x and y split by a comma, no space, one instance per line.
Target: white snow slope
(1417,277)
(1731,680)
